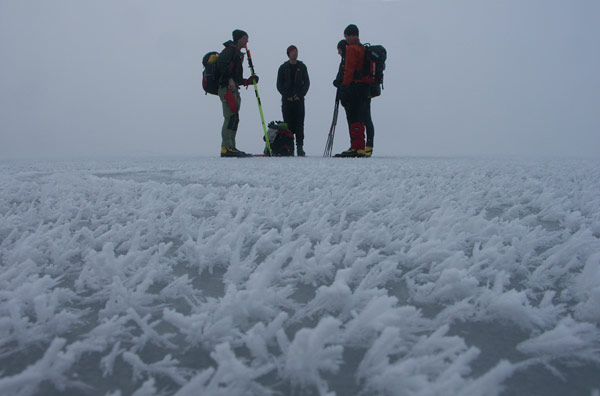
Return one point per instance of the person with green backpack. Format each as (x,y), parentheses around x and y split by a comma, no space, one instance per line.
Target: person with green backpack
(230,77)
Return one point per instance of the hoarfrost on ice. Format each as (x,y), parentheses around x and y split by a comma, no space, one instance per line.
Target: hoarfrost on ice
(277,276)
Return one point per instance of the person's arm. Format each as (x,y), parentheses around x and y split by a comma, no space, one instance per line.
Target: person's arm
(306,81)
(352,58)
(340,74)
(280,77)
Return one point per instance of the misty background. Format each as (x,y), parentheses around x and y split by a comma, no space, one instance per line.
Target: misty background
(466,77)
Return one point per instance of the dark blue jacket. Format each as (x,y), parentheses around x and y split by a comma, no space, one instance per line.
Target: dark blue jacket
(229,65)
(296,86)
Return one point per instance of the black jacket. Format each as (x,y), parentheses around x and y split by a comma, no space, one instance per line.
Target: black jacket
(229,65)
(298,86)
(340,74)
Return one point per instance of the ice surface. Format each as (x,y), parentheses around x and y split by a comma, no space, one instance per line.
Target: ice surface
(266,276)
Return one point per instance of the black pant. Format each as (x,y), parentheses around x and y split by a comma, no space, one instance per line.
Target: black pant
(370,129)
(356,105)
(293,116)
(358,108)
(369,124)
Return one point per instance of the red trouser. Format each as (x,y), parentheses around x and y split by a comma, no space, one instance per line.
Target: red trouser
(357,136)
(357,107)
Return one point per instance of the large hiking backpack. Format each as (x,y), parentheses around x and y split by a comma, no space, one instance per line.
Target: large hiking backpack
(281,139)
(210,76)
(373,67)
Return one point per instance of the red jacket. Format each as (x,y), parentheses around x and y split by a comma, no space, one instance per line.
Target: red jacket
(355,58)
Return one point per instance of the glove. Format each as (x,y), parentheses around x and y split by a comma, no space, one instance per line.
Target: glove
(250,80)
(337,83)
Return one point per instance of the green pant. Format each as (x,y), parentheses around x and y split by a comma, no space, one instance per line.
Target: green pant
(231,106)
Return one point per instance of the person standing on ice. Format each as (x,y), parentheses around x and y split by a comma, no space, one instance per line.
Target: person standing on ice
(293,83)
(229,67)
(354,92)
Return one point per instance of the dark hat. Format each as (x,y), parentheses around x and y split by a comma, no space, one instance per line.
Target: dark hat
(291,48)
(342,44)
(351,30)
(238,34)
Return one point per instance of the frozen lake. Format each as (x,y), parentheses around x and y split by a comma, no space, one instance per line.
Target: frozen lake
(300,276)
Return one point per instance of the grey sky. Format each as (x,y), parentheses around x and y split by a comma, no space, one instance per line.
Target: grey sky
(465,77)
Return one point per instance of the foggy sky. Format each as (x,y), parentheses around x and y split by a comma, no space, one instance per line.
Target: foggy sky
(464,77)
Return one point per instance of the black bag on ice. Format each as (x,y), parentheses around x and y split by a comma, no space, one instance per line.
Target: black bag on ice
(281,139)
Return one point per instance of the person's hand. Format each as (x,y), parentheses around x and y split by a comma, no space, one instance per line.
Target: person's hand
(231,86)
(251,80)
(296,97)
(336,83)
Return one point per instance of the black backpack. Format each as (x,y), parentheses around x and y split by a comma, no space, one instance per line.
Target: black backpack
(281,139)
(373,67)
(210,75)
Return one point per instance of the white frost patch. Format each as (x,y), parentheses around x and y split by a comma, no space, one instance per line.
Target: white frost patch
(569,339)
(587,288)
(311,353)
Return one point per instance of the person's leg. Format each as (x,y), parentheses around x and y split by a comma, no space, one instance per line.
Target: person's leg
(357,118)
(299,132)
(369,123)
(231,102)
(356,126)
(287,110)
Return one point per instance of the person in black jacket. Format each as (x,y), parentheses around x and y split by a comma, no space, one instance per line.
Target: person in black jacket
(293,83)
(341,48)
(229,68)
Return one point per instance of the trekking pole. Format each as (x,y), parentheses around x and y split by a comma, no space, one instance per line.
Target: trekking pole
(329,144)
(262,117)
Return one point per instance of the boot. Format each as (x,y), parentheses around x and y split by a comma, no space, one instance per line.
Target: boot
(368,151)
(357,139)
(233,152)
(300,151)
(351,153)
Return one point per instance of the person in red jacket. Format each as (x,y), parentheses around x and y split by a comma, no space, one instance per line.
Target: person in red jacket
(354,93)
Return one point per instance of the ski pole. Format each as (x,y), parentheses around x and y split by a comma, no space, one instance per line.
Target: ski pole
(330,136)
(262,117)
